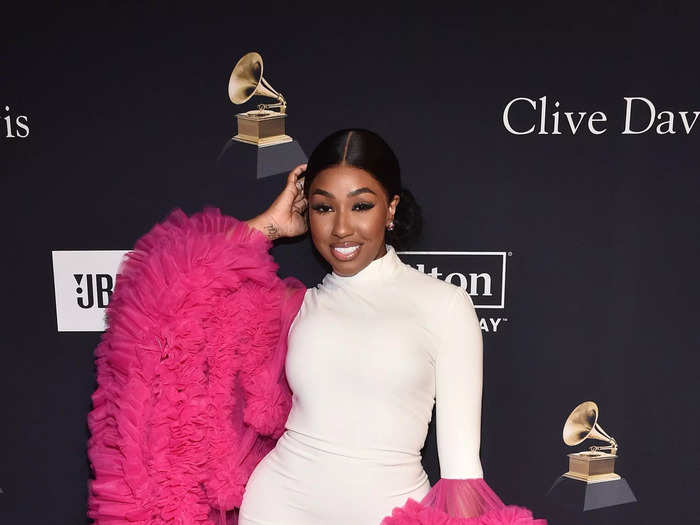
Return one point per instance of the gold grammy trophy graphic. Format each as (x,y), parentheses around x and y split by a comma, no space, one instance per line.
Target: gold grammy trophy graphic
(592,465)
(262,128)
(591,481)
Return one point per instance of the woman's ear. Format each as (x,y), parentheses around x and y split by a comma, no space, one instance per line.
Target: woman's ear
(392,206)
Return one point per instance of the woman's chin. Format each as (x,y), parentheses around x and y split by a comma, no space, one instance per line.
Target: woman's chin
(347,268)
(344,270)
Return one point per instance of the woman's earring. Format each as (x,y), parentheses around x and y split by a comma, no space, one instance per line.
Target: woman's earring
(391,226)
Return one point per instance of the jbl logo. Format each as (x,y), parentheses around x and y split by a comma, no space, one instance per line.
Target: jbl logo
(93,287)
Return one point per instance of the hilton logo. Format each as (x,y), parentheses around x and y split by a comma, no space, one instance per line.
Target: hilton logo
(481,274)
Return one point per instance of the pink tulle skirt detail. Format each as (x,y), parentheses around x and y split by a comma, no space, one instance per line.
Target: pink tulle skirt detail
(461,502)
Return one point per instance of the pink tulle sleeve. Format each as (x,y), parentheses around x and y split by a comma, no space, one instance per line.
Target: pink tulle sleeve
(191,391)
(461,502)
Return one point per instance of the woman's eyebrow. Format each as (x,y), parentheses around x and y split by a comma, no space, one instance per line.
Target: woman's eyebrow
(360,190)
(322,192)
(351,194)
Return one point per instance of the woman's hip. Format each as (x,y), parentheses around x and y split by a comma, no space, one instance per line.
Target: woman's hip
(300,479)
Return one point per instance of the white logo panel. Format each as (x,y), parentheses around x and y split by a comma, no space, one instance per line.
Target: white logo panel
(83,284)
(481,274)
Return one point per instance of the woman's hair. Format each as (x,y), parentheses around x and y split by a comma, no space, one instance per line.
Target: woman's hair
(366,150)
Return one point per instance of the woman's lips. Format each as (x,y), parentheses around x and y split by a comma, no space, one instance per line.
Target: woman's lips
(345,253)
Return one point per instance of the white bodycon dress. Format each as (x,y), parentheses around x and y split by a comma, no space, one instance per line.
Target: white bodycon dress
(368,355)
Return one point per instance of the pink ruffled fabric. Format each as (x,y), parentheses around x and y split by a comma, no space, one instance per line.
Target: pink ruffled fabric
(191,388)
(460,502)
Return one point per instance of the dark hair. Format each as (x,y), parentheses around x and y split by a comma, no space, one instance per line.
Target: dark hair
(366,150)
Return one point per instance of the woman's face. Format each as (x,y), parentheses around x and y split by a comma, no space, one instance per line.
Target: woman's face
(348,214)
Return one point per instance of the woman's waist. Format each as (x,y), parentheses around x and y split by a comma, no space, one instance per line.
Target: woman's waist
(343,449)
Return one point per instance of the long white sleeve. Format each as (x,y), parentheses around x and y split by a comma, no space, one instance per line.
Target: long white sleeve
(458,388)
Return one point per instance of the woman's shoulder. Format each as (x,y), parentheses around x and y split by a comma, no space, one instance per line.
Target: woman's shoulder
(432,289)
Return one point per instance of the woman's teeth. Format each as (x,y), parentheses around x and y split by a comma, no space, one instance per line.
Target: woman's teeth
(347,250)
(345,253)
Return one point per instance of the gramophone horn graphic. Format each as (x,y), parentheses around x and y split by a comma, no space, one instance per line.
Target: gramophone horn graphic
(591,481)
(263,127)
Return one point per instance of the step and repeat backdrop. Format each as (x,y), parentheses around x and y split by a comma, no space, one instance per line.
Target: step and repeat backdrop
(554,152)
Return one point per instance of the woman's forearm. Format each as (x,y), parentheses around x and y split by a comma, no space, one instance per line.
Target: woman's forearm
(266,226)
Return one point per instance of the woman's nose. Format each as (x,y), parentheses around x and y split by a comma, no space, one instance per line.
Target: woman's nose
(342,227)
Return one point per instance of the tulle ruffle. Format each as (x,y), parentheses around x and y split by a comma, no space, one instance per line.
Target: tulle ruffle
(460,502)
(191,387)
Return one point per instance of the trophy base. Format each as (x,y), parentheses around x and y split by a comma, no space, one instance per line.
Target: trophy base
(583,496)
(238,157)
(262,128)
(599,478)
(262,143)
(592,466)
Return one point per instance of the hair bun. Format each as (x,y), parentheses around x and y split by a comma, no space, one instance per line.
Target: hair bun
(408,221)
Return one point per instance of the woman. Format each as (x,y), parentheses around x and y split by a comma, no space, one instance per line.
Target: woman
(370,349)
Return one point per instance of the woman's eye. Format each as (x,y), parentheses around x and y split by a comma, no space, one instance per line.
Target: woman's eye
(363,206)
(360,206)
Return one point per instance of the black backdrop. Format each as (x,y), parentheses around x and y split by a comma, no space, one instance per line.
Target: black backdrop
(127,111)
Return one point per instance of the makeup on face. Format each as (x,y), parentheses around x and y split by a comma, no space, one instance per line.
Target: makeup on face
(348,216)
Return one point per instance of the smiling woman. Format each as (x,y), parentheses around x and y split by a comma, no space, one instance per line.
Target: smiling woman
(366,174)
(222,386)
(348,230)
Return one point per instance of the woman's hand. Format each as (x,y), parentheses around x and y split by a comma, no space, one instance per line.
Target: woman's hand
(285,216)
